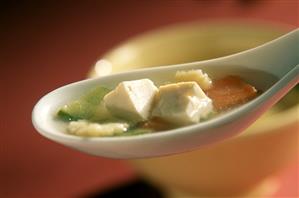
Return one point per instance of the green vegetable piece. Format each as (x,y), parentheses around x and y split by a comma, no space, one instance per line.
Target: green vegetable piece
(88,107)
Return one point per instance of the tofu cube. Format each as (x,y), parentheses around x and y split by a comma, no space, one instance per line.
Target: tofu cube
(202,79)
(132,100)
(182,103)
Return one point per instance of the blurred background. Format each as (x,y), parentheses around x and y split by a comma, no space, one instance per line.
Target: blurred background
(46,44)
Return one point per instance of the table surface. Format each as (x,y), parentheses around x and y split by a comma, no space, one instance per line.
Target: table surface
(47,44)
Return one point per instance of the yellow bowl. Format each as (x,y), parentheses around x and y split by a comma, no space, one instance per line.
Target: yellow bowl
(235,166)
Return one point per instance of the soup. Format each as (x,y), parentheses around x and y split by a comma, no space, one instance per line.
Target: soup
(139,106)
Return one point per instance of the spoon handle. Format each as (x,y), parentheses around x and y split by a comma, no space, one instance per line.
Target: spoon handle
(277,57)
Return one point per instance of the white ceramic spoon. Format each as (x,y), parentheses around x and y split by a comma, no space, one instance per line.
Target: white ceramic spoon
(272,67)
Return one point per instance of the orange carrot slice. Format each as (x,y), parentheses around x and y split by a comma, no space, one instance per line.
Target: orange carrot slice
(230,91)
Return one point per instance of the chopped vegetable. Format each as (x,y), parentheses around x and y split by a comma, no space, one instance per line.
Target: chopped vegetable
(230,91)
(88,107)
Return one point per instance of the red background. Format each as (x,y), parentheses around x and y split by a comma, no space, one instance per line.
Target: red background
(44,45)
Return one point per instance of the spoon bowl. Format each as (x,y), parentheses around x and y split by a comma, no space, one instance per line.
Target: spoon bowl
(272,67)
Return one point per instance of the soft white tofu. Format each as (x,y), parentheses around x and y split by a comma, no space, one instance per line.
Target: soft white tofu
(182,103)
(202,79)
(132,100)
(85,128)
